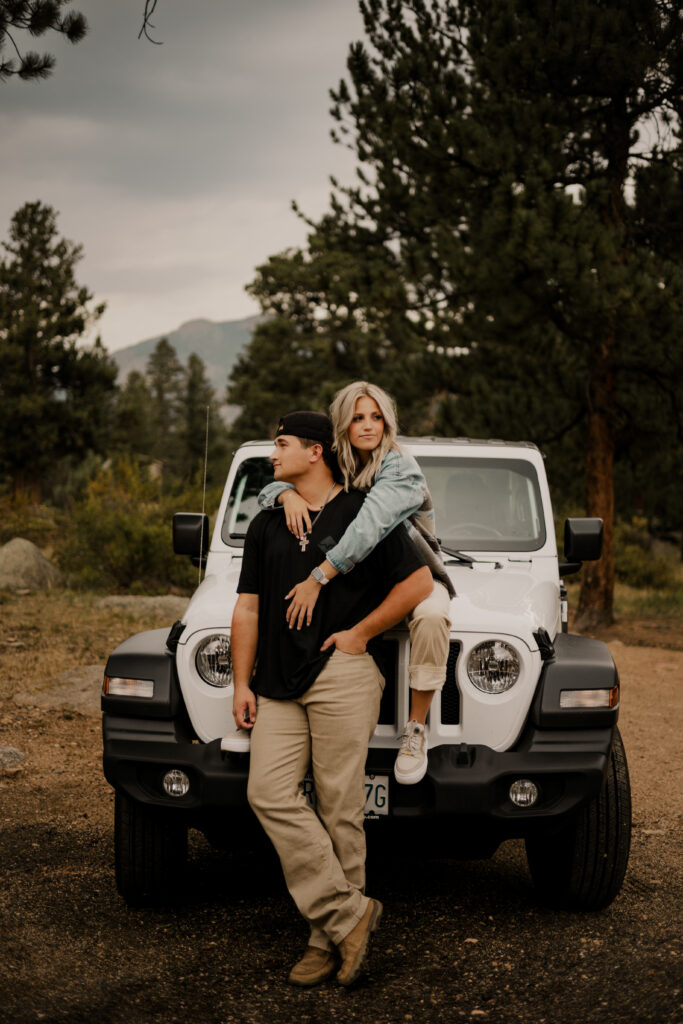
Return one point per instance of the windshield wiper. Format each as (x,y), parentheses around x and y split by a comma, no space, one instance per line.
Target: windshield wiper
(459,556)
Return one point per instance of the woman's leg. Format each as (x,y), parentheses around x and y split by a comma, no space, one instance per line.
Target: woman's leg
(429,643)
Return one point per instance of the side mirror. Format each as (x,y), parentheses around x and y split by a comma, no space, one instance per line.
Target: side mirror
(582,543)
(191,535)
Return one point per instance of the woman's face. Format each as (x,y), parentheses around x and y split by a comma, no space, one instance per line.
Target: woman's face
(367,426)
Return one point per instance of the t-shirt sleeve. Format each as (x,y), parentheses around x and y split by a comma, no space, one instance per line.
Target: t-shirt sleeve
(249,581)
(396,557)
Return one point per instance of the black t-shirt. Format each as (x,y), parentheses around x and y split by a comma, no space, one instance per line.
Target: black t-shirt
(289,660)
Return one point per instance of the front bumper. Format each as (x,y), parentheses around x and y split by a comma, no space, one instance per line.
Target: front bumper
(568,767)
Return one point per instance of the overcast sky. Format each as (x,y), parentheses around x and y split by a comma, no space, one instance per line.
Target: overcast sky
(175,165)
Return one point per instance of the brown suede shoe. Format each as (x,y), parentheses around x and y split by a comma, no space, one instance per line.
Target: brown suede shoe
(354,948)
(315,966)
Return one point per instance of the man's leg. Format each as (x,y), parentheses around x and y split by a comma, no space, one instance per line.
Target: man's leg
(280,756)
(343,708)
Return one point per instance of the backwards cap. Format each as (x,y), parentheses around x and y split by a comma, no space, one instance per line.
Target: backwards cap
(315,426)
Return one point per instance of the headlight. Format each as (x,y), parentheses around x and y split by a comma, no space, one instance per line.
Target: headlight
(493,666)
(214,660)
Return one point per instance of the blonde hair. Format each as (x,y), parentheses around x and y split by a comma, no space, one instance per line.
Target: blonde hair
(342,410)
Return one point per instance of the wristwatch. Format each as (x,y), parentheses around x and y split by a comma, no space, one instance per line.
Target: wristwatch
(319,576)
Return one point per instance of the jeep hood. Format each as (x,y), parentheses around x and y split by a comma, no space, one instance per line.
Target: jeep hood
(509,600)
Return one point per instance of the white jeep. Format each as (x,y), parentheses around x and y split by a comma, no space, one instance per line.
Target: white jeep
(523,739)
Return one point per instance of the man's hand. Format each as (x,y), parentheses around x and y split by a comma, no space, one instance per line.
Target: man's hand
(297,515)
(350,641)
(244,707)
(303,597)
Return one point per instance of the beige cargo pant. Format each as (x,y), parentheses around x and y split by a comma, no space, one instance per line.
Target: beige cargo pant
(430,628)
(327,729)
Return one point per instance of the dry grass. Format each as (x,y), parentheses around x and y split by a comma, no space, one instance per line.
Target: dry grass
(43,635)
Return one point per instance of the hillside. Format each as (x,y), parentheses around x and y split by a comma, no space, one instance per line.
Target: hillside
(217,344)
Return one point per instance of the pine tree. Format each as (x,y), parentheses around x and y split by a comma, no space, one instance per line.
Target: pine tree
(198,397)
(499,196)
(36,17)
(133,430)
(55,396)
(164,375)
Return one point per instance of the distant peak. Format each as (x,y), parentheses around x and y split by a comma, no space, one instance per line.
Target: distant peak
(199,322)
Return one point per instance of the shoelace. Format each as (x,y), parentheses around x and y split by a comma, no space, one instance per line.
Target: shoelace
(410,743)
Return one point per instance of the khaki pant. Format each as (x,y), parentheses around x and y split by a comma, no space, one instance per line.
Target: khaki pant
(429,636)
(328,728)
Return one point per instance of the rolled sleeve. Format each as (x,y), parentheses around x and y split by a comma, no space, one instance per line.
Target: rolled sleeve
(267,498)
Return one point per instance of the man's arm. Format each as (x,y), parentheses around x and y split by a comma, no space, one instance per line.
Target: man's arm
(400,600)
(244,641)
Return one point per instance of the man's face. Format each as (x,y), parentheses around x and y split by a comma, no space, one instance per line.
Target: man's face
(290,459)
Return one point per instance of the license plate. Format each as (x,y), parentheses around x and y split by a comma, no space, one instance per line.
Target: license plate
(376,794)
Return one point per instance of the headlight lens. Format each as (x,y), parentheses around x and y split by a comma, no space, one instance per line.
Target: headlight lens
(493,666)
(214,660)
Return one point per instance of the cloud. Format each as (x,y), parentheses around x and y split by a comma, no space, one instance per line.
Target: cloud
(175,165)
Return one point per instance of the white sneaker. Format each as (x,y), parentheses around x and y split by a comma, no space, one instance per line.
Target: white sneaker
(238,742)
(411,760)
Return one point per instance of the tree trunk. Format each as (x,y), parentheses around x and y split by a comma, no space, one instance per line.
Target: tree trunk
(26,488)
(597,587)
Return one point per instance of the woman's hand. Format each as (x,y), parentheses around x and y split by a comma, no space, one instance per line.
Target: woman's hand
(303,597)
(297,515)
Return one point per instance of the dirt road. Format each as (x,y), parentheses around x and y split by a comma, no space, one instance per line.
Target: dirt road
(460,940)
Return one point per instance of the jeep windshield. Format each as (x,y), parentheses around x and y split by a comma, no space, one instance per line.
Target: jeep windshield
(480,504)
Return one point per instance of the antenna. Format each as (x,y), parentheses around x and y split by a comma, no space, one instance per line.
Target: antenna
(201,535)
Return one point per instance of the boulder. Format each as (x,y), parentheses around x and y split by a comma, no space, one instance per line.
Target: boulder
(23,566)
(10,757)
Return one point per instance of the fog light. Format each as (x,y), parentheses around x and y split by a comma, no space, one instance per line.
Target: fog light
(523,792)
(176,783)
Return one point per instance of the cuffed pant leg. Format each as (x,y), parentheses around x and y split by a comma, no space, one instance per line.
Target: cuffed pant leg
(430,626)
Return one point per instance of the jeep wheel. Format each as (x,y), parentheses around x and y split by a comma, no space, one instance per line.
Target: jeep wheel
(582,866)
(150,852)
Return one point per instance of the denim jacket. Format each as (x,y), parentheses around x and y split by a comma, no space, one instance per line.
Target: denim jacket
(399,492)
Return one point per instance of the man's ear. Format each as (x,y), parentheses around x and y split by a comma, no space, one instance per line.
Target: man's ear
(315,453)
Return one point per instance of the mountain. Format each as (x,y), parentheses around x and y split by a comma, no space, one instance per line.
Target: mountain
(217,344)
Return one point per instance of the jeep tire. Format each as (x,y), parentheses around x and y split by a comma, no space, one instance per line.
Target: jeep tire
(582,866)
(150,852)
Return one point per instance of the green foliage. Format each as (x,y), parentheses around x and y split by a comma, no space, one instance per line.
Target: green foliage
(161,417)
(635,561)
(40,524)
(35,17)
(55,397)
(119,536)
(503,264)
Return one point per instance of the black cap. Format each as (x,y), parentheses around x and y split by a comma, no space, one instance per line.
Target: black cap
(315,426)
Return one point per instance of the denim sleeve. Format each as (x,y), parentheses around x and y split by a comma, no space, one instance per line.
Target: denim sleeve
(267,499)
(398,491)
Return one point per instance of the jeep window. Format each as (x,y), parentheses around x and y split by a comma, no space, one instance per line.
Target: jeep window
(485,504)
(252,475)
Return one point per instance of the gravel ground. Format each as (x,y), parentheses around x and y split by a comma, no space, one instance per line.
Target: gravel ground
(459,940)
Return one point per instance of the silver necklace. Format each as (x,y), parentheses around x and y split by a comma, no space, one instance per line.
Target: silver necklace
(303,541)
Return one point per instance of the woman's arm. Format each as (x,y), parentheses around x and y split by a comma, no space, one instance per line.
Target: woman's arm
(297,515)
(268,498)
(398,491)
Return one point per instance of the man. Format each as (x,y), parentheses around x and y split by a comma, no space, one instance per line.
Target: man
(312,695)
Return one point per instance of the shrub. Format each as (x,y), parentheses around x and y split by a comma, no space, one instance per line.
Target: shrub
(635,561)
(119,536)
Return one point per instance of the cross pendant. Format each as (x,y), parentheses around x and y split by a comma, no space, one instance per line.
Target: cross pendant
(303,542)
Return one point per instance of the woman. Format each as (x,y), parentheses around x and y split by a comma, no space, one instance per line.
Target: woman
(365,427)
